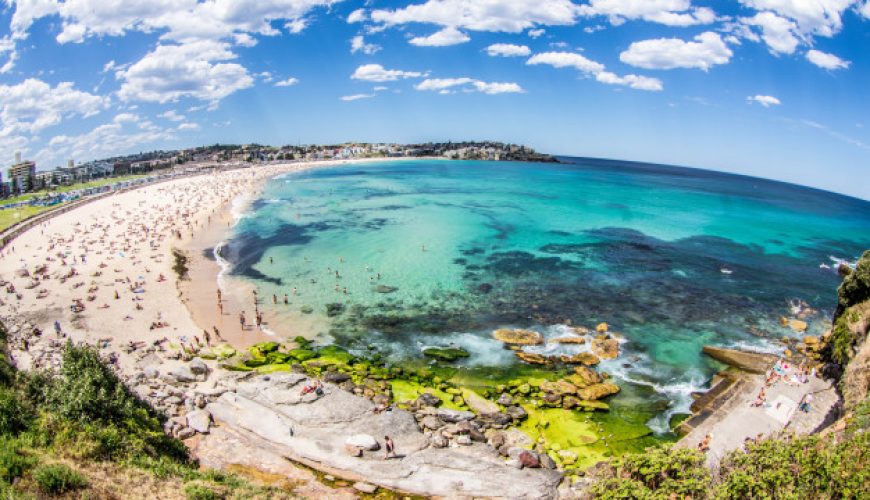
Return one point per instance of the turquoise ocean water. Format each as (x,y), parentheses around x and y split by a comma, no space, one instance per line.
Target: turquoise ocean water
(444,252)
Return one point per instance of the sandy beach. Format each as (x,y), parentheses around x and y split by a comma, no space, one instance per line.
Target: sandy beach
(104,271)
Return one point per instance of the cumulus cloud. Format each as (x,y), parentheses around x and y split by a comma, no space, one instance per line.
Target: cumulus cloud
(777,32)
(188,126)
(511,16)
(289,82)
(196,70)
(826,61)
(566,60)
(377,73)
(812,17)
(357,16)
(33,105)
(706,51)
(535,33)
(508,50)
(632,81)
(596,69)
(465,84)
(442,38)
(667,12)
(765,100)
(358,44)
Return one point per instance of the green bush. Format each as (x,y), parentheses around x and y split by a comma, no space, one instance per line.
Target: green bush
(13,461)
(195,491)
(659,472)
(57,479)
(855,287)
(15,416)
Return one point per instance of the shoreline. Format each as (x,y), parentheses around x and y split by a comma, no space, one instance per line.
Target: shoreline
(199,292)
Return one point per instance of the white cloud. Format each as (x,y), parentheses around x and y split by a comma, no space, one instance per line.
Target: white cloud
(377,73)
(195,70)
(172,116)
(777,32)
(33,105)
(129,117)
(813,17)
(668,12)
(706,51)
(596,69)
(632,81)
(825,60)
(538,32)
(443,38)
(112,138)
(765,100)
(188,126)
(445,86)
(511,16)
(357,16)
(492,88)
(864,10)
(356,97)
(289,82)
(566,60)
(358,44)
(508,50)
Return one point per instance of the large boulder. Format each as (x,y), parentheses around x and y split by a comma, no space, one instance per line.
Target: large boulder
(569,340)
(584,358)
(427,399)
(364,442)
(517,413)
(605,347)
(752,362)
(598,391)
(558,387)
(198,366)
(584,376)
(199,420)
(181,373)
(532,358)
(453,416)
(518,337)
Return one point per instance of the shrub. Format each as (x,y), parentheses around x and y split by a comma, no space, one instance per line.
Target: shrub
(195,491)
(86,390)
(13,462)
(659,472)
(15,416)
(57,479)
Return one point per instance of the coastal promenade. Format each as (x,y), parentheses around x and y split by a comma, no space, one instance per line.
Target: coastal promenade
(733,421)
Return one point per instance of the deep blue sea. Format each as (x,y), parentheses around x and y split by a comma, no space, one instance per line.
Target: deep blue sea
(432,252)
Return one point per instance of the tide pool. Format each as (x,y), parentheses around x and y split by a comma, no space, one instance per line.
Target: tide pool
(436,253)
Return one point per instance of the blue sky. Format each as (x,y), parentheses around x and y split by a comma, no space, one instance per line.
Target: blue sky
(772,88)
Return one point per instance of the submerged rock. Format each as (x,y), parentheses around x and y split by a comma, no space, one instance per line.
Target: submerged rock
(446,353)
(386,289)
(518,337)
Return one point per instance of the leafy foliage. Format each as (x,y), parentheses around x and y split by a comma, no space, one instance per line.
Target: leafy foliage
(856,285)
(14,462)
(57,479)
(15,416)
(659,472)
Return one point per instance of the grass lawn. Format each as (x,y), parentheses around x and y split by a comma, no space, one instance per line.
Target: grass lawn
(9,217)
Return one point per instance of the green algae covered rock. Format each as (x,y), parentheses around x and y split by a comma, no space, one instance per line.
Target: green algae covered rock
(445,353)
(301,355)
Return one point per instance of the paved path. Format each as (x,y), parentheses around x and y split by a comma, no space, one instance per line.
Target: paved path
(737,419)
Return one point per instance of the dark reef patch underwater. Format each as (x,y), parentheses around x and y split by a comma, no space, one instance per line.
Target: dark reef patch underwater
(438,254)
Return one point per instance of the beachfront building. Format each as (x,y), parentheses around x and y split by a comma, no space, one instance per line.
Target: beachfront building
(22,175)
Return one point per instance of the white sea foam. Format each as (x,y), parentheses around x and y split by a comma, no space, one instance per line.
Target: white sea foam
(224,265)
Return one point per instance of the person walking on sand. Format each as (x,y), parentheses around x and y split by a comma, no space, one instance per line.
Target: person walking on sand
(389,447)
(242,320)
(286,301)
(57,330)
